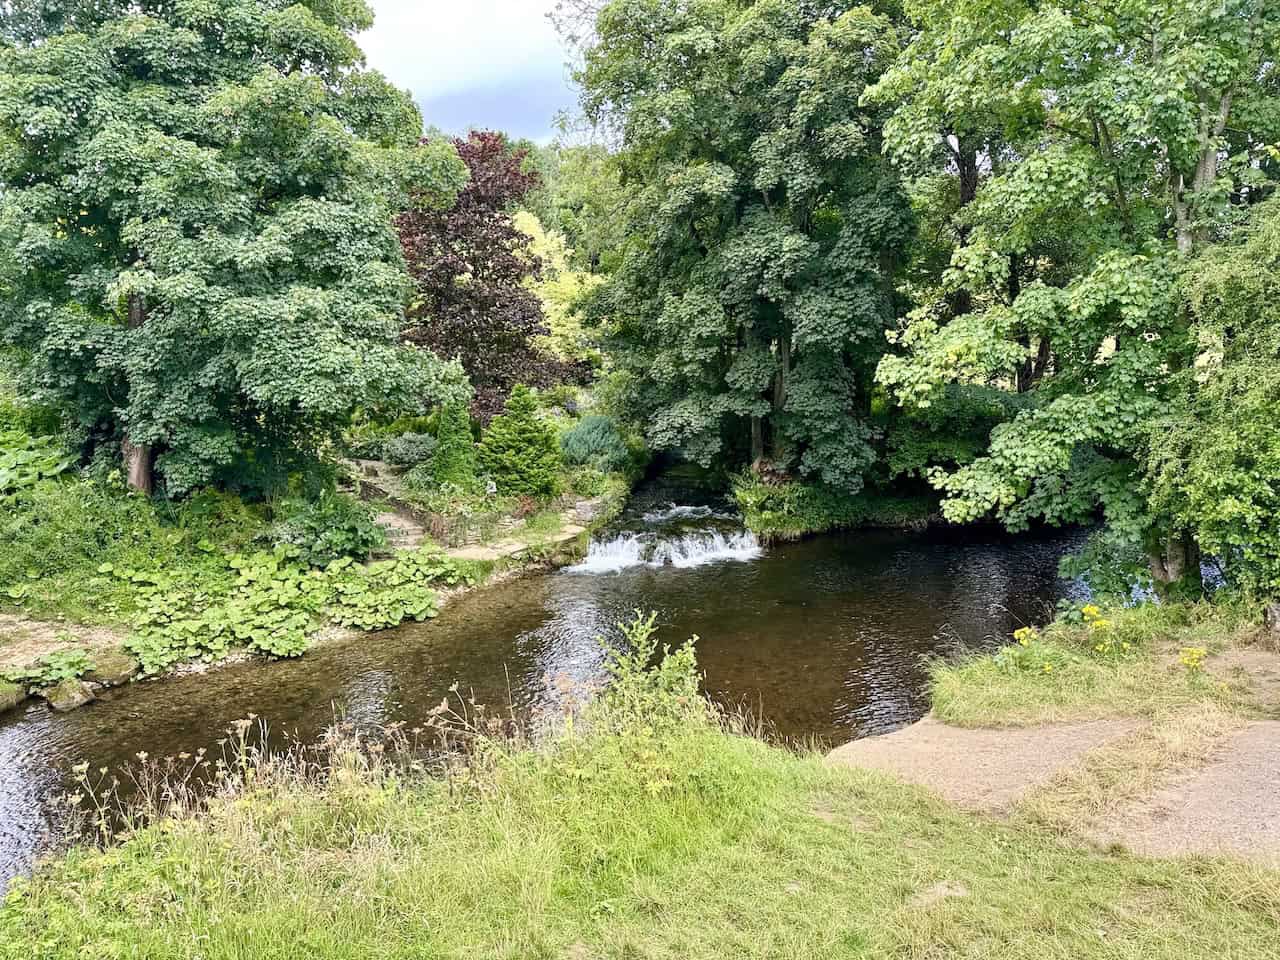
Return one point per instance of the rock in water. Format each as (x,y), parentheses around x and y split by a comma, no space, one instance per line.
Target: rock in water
(111,668)
(11,695)
(69,695)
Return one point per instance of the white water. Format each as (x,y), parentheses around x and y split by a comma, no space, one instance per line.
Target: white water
(678,512)
(691,550)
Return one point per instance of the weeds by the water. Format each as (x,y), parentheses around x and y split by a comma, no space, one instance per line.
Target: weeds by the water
(1119,663)
(642,827)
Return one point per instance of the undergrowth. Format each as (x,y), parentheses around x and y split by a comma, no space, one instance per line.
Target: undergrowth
(792,510)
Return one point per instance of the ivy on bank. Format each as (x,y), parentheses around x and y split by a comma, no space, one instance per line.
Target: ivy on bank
(275,604)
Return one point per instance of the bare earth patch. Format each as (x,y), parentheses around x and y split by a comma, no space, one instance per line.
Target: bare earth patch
(989,770)
(24,641)
(1256,668)
(1230,806)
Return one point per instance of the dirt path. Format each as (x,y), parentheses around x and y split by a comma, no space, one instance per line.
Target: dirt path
(23,641)
(1229,805)
(988,770)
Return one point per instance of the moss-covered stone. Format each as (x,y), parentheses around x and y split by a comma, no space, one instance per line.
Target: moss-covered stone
(11,695)
(111,668)
(68,695)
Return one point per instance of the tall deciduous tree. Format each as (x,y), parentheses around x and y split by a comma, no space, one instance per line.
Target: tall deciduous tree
(1134,132)
(470,264)
(195,201)
(750,307)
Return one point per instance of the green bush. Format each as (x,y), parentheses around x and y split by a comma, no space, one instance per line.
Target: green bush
(59,547)
(454,461)
(788,511)
(596,442)
(519,451)
(409,449)
(327,529)
(26,460)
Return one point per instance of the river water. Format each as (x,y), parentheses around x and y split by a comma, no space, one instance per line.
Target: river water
(825,639)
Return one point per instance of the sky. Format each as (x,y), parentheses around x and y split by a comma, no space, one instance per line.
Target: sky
(493,64)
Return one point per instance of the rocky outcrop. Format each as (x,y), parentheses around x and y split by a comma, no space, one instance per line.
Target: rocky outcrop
(69,695)
(112,668)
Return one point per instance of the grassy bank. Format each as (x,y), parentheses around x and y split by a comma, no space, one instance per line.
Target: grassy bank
(793,510)
(647,829)
(1141,661)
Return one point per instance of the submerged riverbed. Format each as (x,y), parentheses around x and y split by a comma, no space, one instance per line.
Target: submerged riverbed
(825,639)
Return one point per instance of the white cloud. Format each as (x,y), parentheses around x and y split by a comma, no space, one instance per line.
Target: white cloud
(444,47)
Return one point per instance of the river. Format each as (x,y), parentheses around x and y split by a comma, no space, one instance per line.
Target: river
(826,639)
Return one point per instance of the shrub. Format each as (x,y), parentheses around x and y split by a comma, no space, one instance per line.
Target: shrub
(409,449)
(596,442)
(26,460)
(326,529)
(519,451)
(454,461)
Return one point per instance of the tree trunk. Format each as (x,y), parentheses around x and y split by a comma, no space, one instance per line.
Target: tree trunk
(757,444)
(780,399)
(966,158)
(1175,566)
(138,458)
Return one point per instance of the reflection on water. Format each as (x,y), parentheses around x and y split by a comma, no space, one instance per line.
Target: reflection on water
(826,639)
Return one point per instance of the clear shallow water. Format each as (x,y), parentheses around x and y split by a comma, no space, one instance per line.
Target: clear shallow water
(826,639)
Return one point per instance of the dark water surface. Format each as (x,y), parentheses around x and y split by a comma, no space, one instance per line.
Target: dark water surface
(826,639)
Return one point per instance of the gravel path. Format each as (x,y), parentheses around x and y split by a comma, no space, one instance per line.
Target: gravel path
(989,770)
(1229,806)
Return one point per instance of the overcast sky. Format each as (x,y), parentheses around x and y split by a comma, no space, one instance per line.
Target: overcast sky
(474,63)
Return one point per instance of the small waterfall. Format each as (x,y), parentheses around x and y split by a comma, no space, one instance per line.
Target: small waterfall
(691,550)
(611,556)
(677,512)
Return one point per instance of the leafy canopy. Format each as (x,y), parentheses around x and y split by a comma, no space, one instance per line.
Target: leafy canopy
(195,206)
(752,297)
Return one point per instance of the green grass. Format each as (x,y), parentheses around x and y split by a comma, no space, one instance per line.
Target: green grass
(1146,681)
(692,845)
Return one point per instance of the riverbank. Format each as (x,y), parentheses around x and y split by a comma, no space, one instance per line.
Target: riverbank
(793,510)
(1154,728)
(645,829)
(274,607)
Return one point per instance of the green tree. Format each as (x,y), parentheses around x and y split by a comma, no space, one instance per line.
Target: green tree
(1132,134)
(749,310)
(195,213)
(454,461)
(1214,458)
(519,451)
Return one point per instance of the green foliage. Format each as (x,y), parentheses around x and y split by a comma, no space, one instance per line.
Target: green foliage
(791,510)
(274,604)
(1093,150)
(409,449)
(195,208)
(387,593)
(518,451)
(51,669)
(26,460)
(323,530)
(454,462)
(60,545)
(650,686)
(595,441)
(751,301)
(1215,452)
